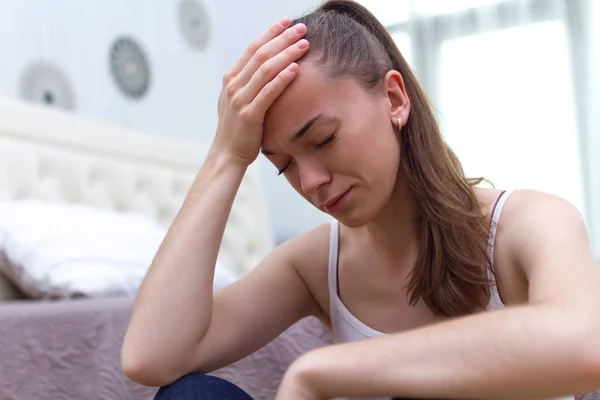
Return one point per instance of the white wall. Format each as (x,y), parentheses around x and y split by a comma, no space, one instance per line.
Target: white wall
(76,36)
(182,101)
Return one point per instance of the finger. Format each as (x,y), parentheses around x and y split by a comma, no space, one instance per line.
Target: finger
(267,52)
(272,90)
(274,30)
(269,70)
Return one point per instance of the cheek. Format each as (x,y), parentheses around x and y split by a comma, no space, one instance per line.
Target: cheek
(381,159)
(385,165)
(379,148)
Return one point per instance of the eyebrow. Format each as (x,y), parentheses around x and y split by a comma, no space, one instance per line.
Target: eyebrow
(298,135)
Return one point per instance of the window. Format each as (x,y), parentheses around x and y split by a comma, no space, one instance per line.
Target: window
(509,111)
(402,40)
(389,12)
(437,7)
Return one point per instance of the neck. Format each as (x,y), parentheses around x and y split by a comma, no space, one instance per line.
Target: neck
(394,234)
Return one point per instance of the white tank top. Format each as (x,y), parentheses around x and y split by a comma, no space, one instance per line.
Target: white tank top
(346,327)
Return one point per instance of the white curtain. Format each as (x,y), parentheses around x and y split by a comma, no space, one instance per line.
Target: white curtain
(515,86)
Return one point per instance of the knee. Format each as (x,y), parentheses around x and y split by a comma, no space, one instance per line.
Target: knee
(201,387)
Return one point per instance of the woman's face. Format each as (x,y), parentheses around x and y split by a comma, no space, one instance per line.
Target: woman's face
(336,143)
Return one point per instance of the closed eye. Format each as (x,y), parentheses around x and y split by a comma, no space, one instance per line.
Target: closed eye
(327,141)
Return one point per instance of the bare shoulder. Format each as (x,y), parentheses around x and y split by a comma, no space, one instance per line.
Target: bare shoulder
(527,211)
(301,248)
(309,254)
(531,216)
(545,238)
(526,200)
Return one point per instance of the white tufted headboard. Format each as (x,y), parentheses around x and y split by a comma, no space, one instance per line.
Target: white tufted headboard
(48,154)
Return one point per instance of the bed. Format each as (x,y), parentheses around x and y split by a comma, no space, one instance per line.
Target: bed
(61,340)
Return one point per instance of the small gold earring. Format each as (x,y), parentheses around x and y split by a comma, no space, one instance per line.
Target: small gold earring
(399,123)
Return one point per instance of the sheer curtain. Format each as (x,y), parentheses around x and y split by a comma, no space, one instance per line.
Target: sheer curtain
(515,87)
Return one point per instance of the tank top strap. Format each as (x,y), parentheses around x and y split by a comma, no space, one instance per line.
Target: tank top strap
(334,234)
(495,299)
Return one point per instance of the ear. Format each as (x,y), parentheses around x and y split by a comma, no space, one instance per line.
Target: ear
(395,91)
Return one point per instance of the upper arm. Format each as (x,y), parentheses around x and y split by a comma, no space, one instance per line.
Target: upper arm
(548,241)
(255,309)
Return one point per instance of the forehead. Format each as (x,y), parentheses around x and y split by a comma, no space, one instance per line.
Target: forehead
(311,93)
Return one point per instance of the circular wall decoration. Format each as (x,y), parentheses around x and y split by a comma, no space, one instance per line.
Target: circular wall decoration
(194,24)
(45,83)
(129,67)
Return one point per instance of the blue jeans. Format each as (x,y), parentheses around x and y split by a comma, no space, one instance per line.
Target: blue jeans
(201,387)
(204,387)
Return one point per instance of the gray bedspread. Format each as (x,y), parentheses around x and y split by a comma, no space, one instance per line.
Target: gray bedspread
(70,350)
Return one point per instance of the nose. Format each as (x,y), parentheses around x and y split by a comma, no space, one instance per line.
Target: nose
(312,176)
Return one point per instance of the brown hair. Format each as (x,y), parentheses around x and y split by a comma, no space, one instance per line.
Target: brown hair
(450,274)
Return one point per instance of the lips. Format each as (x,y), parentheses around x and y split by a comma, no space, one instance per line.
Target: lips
(337,203)
(334,200)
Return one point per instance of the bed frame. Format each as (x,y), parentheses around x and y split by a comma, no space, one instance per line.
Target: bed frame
(48,154)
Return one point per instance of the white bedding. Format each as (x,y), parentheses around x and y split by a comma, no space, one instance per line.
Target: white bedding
(61,250)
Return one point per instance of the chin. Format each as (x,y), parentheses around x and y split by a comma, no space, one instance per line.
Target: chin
(352,222)
(355,218)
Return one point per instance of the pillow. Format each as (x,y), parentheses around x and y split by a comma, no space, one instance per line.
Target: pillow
(61,250)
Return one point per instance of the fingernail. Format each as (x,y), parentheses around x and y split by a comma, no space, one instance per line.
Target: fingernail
(293,67)
(284,21)
(299,28)
(302,44)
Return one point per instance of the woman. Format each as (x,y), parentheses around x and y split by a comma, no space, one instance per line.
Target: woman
(403,276)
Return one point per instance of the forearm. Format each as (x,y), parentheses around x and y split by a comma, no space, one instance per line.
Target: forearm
(174,304)
(519,353)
